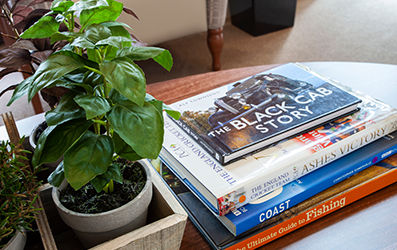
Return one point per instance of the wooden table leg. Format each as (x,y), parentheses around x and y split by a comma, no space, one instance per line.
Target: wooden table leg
(215,44)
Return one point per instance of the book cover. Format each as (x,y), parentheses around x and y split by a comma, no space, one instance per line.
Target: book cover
(241,117)
(256,212)
(225,188)
(353,188)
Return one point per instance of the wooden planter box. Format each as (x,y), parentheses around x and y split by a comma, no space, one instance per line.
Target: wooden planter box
(164,230)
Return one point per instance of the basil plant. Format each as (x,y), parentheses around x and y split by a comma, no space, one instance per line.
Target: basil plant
(106,113)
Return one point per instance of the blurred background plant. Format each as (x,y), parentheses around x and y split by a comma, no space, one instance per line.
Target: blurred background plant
(25,55)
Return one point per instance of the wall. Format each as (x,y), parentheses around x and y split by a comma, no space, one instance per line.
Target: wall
(164,20)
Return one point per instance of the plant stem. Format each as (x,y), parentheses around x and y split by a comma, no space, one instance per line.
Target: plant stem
(8,16)
(9,36)
(97,126)
(93,70)
(109,188)
(105,88)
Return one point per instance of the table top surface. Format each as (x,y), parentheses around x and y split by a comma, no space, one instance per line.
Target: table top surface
(369,223)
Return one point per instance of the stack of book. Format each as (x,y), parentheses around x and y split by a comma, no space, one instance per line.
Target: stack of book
(256,159)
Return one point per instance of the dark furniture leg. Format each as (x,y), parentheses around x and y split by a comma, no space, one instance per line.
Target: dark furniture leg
(215,44)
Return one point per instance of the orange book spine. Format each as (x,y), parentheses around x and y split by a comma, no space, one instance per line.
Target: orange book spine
(315,213)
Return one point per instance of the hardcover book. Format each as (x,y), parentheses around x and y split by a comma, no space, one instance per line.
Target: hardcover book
(355,187)
(253,214)
(239,118)
(225,188)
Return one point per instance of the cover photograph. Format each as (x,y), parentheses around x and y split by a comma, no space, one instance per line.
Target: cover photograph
(242,117)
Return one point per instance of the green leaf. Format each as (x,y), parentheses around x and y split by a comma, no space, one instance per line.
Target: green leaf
(56,66)
(123,149)
(43,28)
(117,31)
(140,127)
(164,59)
(57,176)
(111,52)
(82,42)
(173,113)
(94,56)
(156,103)
(97,32)
(115,96)
(66,110)
(67,47)
(89,4)
(61,5)
(126,77)
(89,157)
(21,90)
(75,81)
(115,41)
(76,76)
(100,14)
(93,105)
(161,56)
(114,24)
(56,140)
(140,53)
(93,79)
(60,36)
(112,173)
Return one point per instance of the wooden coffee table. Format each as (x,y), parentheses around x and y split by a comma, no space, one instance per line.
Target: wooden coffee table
(370,223)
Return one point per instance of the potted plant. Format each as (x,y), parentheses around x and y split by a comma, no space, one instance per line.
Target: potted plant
(17,194)
(106,114)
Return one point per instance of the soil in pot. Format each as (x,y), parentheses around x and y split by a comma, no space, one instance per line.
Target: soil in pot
(87,200)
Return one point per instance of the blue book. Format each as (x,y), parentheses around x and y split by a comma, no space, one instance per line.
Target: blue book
(253,214)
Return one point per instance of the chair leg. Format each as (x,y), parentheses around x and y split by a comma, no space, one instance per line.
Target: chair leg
(37,104)
(215,44)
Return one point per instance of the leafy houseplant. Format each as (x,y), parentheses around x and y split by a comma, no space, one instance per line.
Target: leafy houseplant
(107,93)
(17,191)
(106,113)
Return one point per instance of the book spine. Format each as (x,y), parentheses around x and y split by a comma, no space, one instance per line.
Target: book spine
(317,212)
(347,145)
(347,168)
(298,167)
(216,154)
(288,169)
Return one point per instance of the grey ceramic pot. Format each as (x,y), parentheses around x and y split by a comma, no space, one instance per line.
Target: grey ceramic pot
(32,141)
(93,229)
(17,242)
